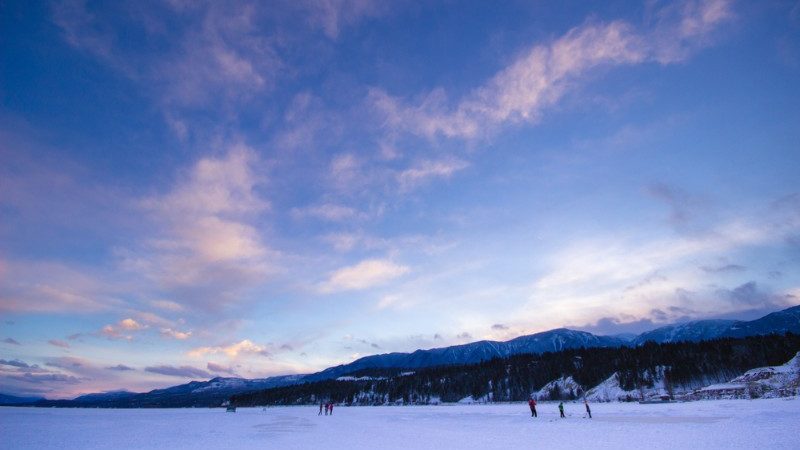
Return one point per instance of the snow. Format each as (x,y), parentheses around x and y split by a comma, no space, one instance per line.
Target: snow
(351,378)
(471,401)
(713,424)
(565,385)
(610,391)
(724,386)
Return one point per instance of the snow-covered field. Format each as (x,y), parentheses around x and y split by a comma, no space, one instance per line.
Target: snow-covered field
(721,424)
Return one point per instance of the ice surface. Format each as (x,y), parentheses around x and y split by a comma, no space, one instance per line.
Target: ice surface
(716,424)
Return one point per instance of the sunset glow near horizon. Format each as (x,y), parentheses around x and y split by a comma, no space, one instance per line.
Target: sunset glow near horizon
(199,189)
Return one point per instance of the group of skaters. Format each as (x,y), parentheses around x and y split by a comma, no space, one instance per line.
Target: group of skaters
(328,407)
(532,404)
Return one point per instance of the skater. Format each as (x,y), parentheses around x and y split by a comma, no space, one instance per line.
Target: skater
(588,410)
(327,407)
(532,404)
(321,405)
(561,410)
(331,407)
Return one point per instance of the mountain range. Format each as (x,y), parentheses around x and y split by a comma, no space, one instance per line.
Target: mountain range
(216,390)
(787,320)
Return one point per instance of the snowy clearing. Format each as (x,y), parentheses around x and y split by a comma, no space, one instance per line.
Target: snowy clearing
(722,424)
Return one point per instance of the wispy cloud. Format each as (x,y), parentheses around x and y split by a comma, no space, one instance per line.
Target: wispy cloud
(684,27)
(331,16)
(58,343)
(122,329)
(175,334)
(543,74)
(11,341)
(366,274)
(180,371)
(208,247)
(688,213)
(219,368)
(15,363)
(244,347)
(608,275)
(619,325)
(120,368)
(727,268)
(328,211)
(212,55)
(204,55)
(426,170)
(54,288)
(130,325)
(167,305)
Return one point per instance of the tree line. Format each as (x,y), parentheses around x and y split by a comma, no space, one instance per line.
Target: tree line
(514,378)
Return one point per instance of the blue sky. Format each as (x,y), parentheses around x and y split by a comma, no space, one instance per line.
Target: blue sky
(191,189)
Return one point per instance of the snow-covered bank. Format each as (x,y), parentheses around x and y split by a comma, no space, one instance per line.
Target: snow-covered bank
(722,424)
(767,382)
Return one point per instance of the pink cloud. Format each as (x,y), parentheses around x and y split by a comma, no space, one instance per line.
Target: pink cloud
(207,247)
(366,274)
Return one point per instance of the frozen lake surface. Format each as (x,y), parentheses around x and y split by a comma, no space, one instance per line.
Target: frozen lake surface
(723,424)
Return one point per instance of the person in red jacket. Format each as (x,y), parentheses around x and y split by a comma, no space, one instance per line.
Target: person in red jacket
(330,407)
(532,404)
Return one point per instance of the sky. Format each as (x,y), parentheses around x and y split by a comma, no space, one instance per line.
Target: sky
(192,189)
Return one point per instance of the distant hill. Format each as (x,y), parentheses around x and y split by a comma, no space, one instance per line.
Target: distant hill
(696,331)
(14,400)
(778,322)
(104,396)
(193,394)
(548,341)
(560,339)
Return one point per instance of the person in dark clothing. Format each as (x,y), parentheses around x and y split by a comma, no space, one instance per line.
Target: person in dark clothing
(321,405)
(532,404)
(588,410)
(561,410)
(330,406)
(327,407)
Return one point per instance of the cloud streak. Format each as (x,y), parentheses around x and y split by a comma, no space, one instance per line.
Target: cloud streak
(424,171)
(179,372)
(58,343)
(244,347)
(544,74)
(364,275)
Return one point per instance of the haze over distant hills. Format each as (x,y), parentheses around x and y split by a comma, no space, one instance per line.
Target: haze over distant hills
(214,391)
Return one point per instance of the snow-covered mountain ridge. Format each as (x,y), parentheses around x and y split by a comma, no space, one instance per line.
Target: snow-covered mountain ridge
(475,352)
